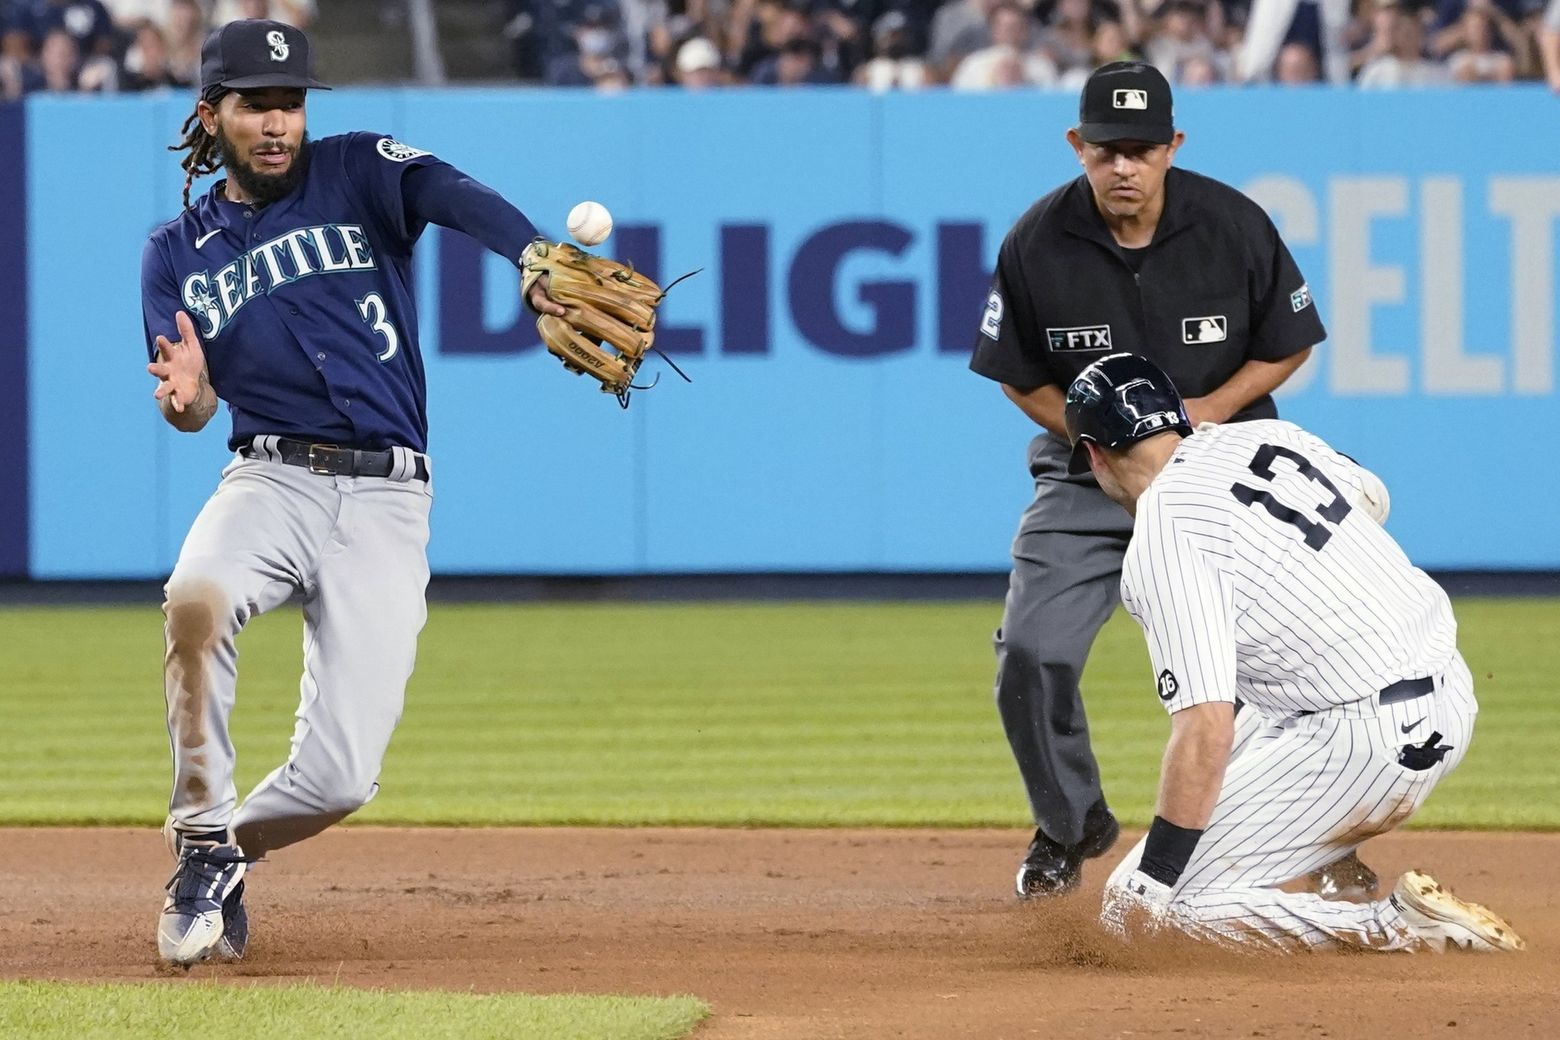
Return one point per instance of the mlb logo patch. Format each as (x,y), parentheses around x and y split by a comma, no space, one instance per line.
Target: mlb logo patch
(1300,299)
(1211,328)
(1130,99)
(1079,337)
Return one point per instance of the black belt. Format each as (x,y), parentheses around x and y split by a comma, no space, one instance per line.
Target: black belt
(1407,690)
(332,460)
(1397,693)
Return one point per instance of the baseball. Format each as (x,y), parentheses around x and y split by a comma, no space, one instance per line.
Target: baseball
(589,223)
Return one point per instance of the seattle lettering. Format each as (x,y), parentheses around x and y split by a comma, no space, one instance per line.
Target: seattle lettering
(213,299)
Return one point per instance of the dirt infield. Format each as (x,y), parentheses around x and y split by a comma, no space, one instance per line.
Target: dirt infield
(793,934)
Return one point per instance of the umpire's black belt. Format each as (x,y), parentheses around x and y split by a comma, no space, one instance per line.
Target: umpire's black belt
(332,460)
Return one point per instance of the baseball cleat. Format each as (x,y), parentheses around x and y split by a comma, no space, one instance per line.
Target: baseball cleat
(193,923)
(235,927)
(1052,869)
(1446,922)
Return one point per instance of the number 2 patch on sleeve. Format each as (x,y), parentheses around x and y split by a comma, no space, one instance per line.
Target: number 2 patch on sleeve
(991,321)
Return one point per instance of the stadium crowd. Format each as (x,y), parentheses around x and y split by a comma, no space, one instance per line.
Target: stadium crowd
(132,45)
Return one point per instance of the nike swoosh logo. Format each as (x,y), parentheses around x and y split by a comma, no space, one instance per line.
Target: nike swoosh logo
(203,239)
(1410,725)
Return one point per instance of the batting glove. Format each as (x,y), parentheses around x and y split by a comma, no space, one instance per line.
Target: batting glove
(1136,903)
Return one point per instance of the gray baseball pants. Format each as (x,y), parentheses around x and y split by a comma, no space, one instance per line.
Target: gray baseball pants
(1066,580)
(356,550)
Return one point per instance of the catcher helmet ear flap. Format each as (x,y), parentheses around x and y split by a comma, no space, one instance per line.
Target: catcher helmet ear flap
(1118,401)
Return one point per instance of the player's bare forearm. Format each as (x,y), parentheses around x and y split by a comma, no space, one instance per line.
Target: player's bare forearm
(1252,380)
(1200,740)
(1044,404)
(196,414)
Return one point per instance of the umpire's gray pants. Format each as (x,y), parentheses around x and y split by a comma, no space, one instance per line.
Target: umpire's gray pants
(1066,580)
(356,548)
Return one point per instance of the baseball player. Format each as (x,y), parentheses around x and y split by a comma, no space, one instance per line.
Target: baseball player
(1133,255)
(286,292)
(1264,583)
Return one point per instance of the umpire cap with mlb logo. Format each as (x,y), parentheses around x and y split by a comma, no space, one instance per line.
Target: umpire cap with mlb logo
(254,53)
(1126,101)
(1118,401)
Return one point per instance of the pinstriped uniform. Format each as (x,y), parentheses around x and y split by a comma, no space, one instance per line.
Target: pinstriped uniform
(1254,577)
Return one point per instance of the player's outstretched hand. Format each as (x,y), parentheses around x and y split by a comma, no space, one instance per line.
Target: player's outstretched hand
(1138,905)
(180,367)
(541,303)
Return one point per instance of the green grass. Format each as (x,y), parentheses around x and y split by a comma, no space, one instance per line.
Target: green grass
(67,1011)
(799,714)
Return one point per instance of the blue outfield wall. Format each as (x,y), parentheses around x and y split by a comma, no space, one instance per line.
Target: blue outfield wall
(846,241)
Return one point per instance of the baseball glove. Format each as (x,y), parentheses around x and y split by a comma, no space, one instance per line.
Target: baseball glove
(610,324)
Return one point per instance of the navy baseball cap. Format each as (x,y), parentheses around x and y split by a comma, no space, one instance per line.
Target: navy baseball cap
(1118,401)
(256,52)
(1126,101)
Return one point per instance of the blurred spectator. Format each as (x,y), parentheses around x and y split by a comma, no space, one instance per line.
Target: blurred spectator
(130,14)
(610,77)
(1549,44)
(16,43)
(759,28)
(1328,27)
(698,64)
(1296,65)
(1477,60)
(183,33)
(19,73)
(894,64)
(1181,37)
(1446,28)
(1068,37)
(61,68)
(841,38)
(1110,42)
(796,65)
(596,49)
(959,28)
(918,15)
(146,62)
(1395,55)
(293,12)
(1011,28)
(658,64)
(1197,71)
(87,22)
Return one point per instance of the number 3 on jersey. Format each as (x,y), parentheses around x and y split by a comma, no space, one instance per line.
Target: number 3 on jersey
(372,308)
(1316,534)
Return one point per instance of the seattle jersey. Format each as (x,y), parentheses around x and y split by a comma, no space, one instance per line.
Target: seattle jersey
(1254,576)
(304,307)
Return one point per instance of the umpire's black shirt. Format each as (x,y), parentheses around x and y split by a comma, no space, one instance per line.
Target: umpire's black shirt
(1215,288)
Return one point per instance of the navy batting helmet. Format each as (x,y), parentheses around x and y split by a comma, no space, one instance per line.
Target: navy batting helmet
(1116,402)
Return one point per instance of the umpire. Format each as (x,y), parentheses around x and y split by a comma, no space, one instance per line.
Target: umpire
(1132,256)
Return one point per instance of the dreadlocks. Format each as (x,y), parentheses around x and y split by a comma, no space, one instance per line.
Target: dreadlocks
(204,155)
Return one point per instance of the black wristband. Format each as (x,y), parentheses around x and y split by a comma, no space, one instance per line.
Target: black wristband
(1168,850)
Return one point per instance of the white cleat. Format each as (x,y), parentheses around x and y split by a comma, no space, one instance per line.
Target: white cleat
(191,926)
(1446,922)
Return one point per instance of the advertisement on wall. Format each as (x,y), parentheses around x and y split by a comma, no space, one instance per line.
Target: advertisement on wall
(844,243)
